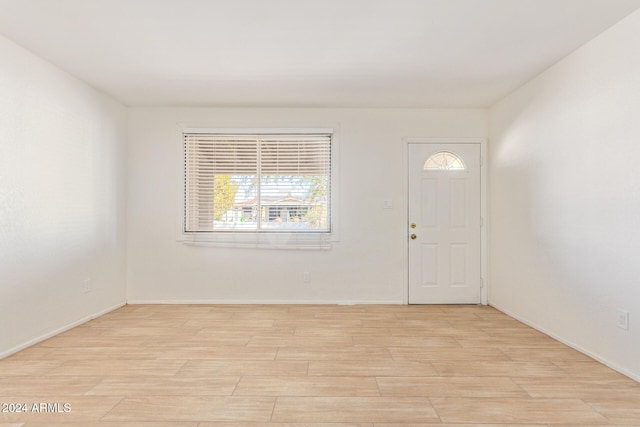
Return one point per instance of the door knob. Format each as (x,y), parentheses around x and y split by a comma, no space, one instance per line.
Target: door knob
(413,225)
(413,237)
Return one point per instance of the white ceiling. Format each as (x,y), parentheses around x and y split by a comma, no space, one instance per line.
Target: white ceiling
(307,53)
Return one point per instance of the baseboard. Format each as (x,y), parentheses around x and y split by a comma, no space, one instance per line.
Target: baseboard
(59,330)
(264,302)
(574,346)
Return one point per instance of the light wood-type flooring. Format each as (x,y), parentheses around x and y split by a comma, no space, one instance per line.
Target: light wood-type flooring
(301,365)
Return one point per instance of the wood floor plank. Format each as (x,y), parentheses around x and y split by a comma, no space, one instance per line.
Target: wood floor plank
(306,386)
(447,354)
(502,342)
(198,340)
(146,332)
(450,387)
(14,367)
(309,331)
(582,388)
(332,308)
(222,324)
(320,323)
(498,368)
(436,331)
(364,368)
(166,386)
(284,314)
(246,332)
(80,332)
(514,333)
(25,386)
(192,408)
(287,425)
(132,368)
(625,411)
(410,323)
(113,424)
(136,323)
(545,354)
(362,316)
(593,425)
(69,354)
(216,368)
(297,341)
(346,353)
(353,409)
(489,323)
(406,341)
(465,425)
(91,341)
(587,369)
(36,352)
(443,314)
(216,352)
(508,410)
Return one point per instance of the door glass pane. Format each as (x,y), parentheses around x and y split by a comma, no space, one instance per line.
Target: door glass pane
(444,160)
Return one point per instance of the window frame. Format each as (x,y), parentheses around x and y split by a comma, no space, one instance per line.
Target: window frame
(312,240)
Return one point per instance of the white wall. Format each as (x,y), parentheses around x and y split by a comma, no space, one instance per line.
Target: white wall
(62,199)
(565,198)
(366,265)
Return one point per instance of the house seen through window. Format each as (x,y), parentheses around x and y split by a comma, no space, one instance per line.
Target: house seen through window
(257,183)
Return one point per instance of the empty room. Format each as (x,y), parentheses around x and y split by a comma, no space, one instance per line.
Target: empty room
(336,213)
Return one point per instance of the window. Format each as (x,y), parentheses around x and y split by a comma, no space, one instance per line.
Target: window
(444,160)
(266,183)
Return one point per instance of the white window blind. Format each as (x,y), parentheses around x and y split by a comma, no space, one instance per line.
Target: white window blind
(257,183)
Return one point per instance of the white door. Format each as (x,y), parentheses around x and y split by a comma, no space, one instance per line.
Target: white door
(444,223)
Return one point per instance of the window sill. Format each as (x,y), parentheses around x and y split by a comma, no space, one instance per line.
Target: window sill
(291,241)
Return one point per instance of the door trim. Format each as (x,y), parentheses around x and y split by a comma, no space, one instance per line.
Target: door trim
(484,294)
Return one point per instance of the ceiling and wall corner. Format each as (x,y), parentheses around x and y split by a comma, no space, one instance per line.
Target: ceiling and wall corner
(287,53)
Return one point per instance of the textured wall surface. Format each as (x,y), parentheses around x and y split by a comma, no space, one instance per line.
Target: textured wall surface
(565,199)
(62,199)
(365,265)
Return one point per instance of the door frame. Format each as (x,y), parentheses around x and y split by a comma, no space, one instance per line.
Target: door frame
(484,294)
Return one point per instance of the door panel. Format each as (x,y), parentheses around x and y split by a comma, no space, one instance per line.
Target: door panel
(444,258)
(430,263)
(458,214)
(458,259)
(430,207)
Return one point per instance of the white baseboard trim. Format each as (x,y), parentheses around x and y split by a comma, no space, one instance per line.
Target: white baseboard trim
(574,346)
(59,330)
(263,302)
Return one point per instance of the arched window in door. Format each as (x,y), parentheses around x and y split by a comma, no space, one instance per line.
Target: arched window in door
(444,161)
